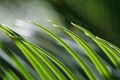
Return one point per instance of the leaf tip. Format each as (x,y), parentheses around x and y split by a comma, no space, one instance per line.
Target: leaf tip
(73,23)
(49,20)
(2,24)
(29,21)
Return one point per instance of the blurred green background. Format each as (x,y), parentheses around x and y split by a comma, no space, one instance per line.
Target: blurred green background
(102,17)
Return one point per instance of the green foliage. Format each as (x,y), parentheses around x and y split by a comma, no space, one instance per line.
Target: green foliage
(47,66)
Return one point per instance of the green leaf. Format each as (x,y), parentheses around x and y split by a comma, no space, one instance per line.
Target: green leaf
(89,51)
(76,57)
(9,74)
(46,61)
(37,64)
(104,45)
(111,53)
(60,64)
(17,63)
(41,69)
(21,43)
